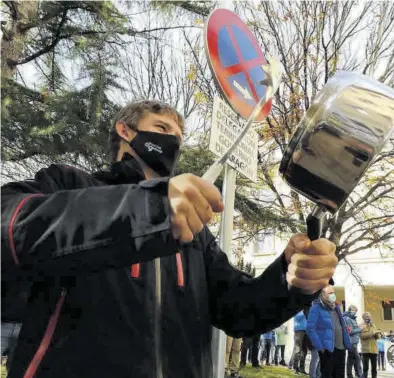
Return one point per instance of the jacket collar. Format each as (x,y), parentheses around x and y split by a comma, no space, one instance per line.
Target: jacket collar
(126,171)
(349,315)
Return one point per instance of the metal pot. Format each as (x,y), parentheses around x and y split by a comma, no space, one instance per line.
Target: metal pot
(337,140)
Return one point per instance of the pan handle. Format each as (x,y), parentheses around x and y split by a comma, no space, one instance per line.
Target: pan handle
(313,224)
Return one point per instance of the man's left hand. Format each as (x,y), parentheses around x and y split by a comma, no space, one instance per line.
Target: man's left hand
(311,263)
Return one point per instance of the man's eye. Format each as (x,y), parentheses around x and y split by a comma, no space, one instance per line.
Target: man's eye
(162,127)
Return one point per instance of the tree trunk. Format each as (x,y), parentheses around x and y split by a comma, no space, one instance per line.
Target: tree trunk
(13,41)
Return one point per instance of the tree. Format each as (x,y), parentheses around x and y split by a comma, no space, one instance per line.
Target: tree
(312,41)
(65,116)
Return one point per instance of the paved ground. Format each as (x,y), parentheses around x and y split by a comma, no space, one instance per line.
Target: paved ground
(386,374)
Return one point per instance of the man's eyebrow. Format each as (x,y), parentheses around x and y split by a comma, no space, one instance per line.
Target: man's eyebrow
(170,127)
(163,123)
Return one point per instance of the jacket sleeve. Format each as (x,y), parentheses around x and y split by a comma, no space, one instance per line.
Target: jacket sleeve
(244,306)
(311,326)
(367,334)
(73,231)
(355,330)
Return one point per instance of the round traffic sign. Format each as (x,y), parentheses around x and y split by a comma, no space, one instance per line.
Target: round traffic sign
(235,59)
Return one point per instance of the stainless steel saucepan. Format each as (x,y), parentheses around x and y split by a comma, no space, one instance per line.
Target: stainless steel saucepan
(337,140)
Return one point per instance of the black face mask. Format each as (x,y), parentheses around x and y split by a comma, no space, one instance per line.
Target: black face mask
(159,152)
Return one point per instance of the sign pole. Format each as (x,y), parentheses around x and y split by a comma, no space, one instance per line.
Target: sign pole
(244,78)
(225,239)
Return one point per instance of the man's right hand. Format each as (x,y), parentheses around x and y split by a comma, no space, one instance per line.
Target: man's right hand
(193,201)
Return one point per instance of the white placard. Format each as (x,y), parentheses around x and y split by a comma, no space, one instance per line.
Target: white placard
(224,130)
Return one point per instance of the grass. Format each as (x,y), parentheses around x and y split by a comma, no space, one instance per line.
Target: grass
(246,372)
(266,372)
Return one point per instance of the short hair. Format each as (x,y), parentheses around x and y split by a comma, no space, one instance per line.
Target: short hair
(325,288)
(352,307)
(132,114)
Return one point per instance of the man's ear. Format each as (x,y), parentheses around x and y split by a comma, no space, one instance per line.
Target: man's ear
(124,131)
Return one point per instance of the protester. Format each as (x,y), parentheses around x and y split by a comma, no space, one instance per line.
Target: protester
(281,338)
(327,331)
(233,349)
(265,346)
(273,347)
(369,347)
(119,263)
(300,344)
(250,351)
(314,366)
(382,353)
(353,357)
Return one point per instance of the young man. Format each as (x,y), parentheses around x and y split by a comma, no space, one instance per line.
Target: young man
(353,357)
(327,332)
(124,278)
(369,347)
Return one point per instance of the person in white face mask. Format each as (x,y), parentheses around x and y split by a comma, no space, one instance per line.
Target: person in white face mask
(327,332)
(353,358)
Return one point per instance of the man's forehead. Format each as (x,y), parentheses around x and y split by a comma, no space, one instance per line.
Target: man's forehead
(168,119)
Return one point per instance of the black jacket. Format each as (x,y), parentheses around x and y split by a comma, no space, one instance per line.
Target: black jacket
(110,293)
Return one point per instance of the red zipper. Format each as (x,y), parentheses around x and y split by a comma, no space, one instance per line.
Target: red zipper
(135,270)
(46,340)
(11,226)
(179,268)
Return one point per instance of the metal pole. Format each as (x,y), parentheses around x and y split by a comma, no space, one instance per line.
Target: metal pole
(225,239)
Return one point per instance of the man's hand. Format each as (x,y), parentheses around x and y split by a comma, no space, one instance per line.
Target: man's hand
(311,264)
(193,202)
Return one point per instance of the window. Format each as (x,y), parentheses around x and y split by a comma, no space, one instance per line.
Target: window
(388,310)
(264,244)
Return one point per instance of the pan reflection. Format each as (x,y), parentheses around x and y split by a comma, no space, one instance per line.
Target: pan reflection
(338,138)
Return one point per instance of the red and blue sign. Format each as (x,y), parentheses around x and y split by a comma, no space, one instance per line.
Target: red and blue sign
(235,59)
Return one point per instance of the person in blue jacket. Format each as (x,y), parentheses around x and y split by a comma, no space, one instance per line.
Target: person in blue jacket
(300,350)
(266,342)
(327,332)
(353,357)
(381,356)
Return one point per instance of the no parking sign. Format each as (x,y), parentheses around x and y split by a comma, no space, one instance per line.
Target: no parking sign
(236,59)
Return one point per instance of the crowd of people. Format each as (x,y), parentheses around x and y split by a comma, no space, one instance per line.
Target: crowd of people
(339,345)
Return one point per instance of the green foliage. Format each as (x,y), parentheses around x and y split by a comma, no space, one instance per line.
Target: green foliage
(60,119)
